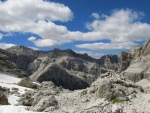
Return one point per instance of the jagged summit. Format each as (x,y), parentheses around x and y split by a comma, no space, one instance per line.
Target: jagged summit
(65,68)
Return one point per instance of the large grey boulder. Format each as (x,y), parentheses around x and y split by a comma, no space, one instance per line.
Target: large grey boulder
(26,82)
(44,104)
(41,99)
(114,88)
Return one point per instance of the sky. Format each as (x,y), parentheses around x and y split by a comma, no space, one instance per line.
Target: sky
(96,27)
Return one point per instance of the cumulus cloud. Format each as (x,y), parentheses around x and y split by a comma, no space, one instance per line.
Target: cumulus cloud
(35,16)
(39,17)
(32,38)
(34,48)
(1,35)
(123,28)
(108,46)
(95,15)
(6,45)
(121,25)
(91,53)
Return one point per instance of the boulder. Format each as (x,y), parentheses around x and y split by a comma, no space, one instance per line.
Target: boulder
(114,88)
(26,82)
(26,99)
(3,99)
(45,103)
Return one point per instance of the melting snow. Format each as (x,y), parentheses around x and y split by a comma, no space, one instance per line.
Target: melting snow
(10,82)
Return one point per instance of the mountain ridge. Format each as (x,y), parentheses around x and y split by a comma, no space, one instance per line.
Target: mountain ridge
(82,68)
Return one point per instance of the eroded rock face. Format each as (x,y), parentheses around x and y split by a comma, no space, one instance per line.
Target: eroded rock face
(7,66)
(111,62)
(22,56)
(62,78)
(136,63)
(125,59)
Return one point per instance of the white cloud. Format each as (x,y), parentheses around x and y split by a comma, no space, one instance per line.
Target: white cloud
(92,54)
(95,15)
(34,48)
(49,42)
(34,10)
(6,45)
(23,16)
(1,36)
(108,46)
(121,25)
(38,17)
(122,28)
(32,38)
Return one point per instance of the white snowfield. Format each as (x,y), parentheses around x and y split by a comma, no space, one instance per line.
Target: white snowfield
(10,82)
(15,109)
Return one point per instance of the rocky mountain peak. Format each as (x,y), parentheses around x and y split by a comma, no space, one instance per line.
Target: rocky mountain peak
(7,66)
(61,66)
(21,50)
(109,61)
(135,63)
(143,50)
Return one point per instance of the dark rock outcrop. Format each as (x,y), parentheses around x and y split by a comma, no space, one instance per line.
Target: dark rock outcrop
(62,78)
(109,62)
(7,66)
(125,59)
(22,56)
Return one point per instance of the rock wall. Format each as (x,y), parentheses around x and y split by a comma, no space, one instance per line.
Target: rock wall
(135,63)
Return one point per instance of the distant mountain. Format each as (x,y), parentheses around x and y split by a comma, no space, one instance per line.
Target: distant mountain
(65,68)
(110,62)
(7,66)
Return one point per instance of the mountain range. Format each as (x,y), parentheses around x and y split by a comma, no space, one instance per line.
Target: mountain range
(65,68)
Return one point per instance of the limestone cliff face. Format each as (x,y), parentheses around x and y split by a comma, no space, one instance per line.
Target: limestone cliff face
(23,56)
(136,62)
(110,62)
(125,59)
(7,66)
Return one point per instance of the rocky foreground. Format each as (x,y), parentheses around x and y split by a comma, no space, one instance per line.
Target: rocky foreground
(111,93)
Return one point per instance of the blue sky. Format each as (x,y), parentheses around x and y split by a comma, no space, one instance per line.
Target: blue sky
(96,27)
